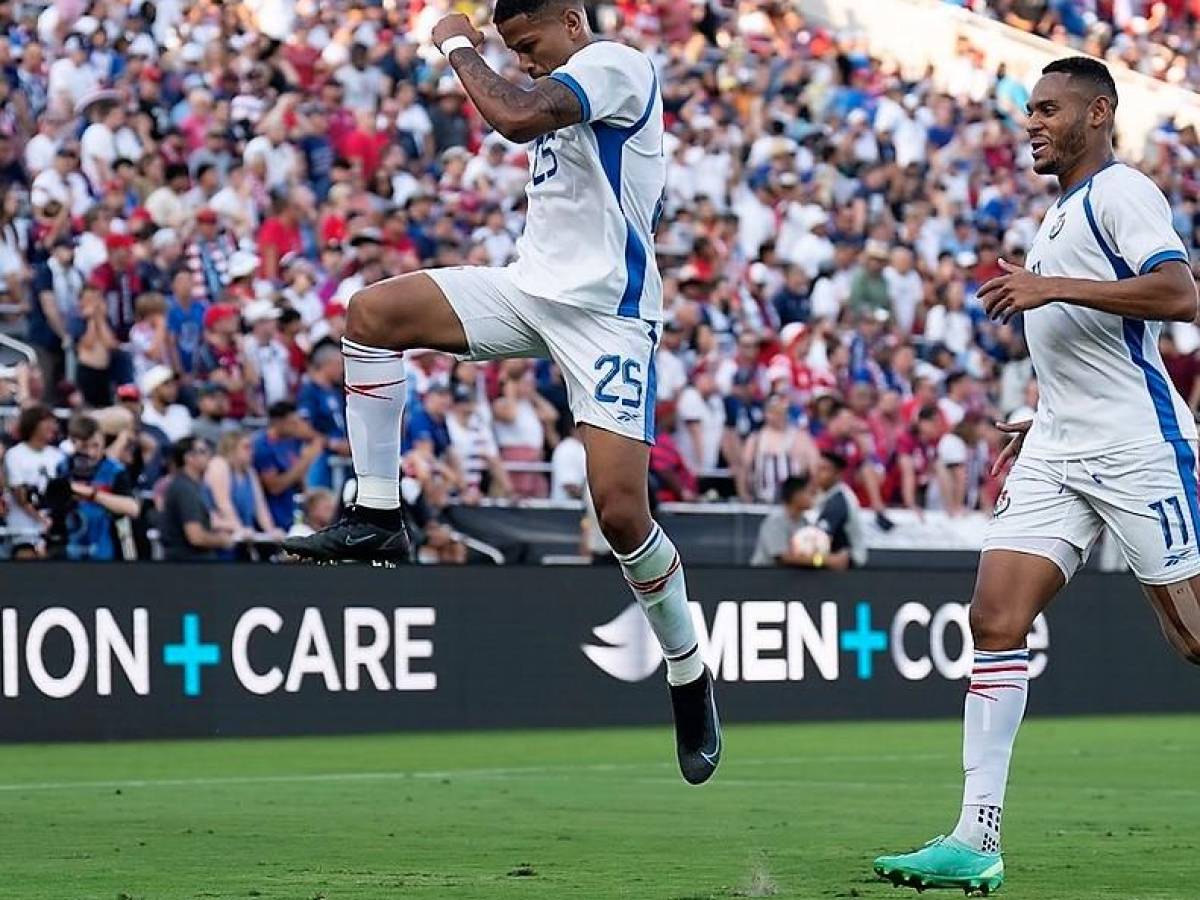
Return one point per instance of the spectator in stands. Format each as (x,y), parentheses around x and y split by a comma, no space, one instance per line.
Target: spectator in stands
(160,390)
(869,289)
(792,302)
(796,511)
(283,453)
(103,488)
(568,468)
(317,511)
(208,256)
(95,349)
(524,423)
(322,402)
(185,523)
(671,479)
(149,340)
(54,314)
(212,421)
(220,359)
(838,512)
(121,285)
(701,414)
(962,467)
(266,355)
(28,467)
(474,445)
(849,436)
(239,503)
(185,322)
(776,452)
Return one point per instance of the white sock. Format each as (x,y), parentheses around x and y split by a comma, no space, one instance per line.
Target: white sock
(992,714)
(375,395)
(655,574)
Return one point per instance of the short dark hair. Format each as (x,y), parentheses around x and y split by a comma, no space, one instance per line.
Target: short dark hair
(280,409)
(81,427)
(182,447)
(1091,71)
(792,486)
(835,459)
(29,420)
(510,9)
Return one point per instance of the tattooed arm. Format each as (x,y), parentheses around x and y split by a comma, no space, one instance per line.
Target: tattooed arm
(520,114)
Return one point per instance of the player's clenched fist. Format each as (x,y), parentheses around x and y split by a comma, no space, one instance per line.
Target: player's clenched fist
(1019,291)
(455,25)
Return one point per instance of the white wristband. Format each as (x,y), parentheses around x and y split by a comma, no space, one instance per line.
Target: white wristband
(459,41)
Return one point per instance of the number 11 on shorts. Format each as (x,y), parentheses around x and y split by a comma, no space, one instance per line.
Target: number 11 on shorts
(1160,507)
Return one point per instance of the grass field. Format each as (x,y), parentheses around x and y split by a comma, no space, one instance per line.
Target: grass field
(1099,808)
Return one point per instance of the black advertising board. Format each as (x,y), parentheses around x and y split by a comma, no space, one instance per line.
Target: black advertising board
(143,651)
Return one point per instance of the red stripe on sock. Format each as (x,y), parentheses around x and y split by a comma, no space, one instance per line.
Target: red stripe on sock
(365,390)
(654,585)
(986,685)
(988,670)
(984,696)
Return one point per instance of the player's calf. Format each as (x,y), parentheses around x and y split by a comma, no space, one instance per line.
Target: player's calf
(1178,609)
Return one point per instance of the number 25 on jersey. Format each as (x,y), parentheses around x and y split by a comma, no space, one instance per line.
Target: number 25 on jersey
(545,162)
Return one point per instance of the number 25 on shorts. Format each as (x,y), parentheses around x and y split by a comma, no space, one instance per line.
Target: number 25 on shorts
(630,371)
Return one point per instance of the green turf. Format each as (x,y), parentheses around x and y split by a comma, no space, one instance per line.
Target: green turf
(1099,808)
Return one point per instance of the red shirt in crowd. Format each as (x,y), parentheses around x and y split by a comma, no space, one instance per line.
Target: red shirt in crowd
(276,239)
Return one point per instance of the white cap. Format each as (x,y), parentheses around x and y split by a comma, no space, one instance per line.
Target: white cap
(241,264)
(86,25)
(143,45)
(164,237)
(259,311)
(966,258)
(155,378)
(192,53)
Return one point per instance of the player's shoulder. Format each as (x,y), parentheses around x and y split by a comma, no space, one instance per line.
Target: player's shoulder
(605,51)
(1121,179)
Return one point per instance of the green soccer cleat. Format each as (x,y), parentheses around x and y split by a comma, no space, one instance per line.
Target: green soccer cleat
(945,862)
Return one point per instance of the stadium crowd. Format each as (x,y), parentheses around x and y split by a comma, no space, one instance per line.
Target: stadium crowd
(1159,38)
(193,193)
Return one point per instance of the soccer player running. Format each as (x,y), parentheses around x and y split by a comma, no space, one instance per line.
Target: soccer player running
(585,292)
(1112,443)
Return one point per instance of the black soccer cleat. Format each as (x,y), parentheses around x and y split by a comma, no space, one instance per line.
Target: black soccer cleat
(697,728)
(369,536)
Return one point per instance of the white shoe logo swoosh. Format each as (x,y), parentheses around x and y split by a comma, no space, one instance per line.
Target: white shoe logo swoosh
(632,652)
(711,758)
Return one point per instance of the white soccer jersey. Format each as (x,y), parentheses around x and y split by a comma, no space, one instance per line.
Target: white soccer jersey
(595,190)
(1103,386)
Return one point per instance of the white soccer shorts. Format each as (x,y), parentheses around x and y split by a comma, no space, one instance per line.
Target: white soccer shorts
(607,361)
(1146,496)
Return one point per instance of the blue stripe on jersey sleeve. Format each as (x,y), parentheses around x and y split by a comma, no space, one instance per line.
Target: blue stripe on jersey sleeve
(1161,257)
(1120,267)
(578,91)
(1134,331)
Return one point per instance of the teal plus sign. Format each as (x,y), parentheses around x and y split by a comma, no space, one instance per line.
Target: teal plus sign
(864,640)
(191,654)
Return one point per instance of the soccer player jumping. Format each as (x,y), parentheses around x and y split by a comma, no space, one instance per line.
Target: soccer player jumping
(585,291)
(1112,443)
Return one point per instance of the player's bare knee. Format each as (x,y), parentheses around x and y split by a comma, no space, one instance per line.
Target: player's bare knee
(371,318)
(993,627)
(623,518)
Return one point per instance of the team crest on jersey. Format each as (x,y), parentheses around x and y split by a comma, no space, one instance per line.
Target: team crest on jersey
(1058,226)
(1002,503)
